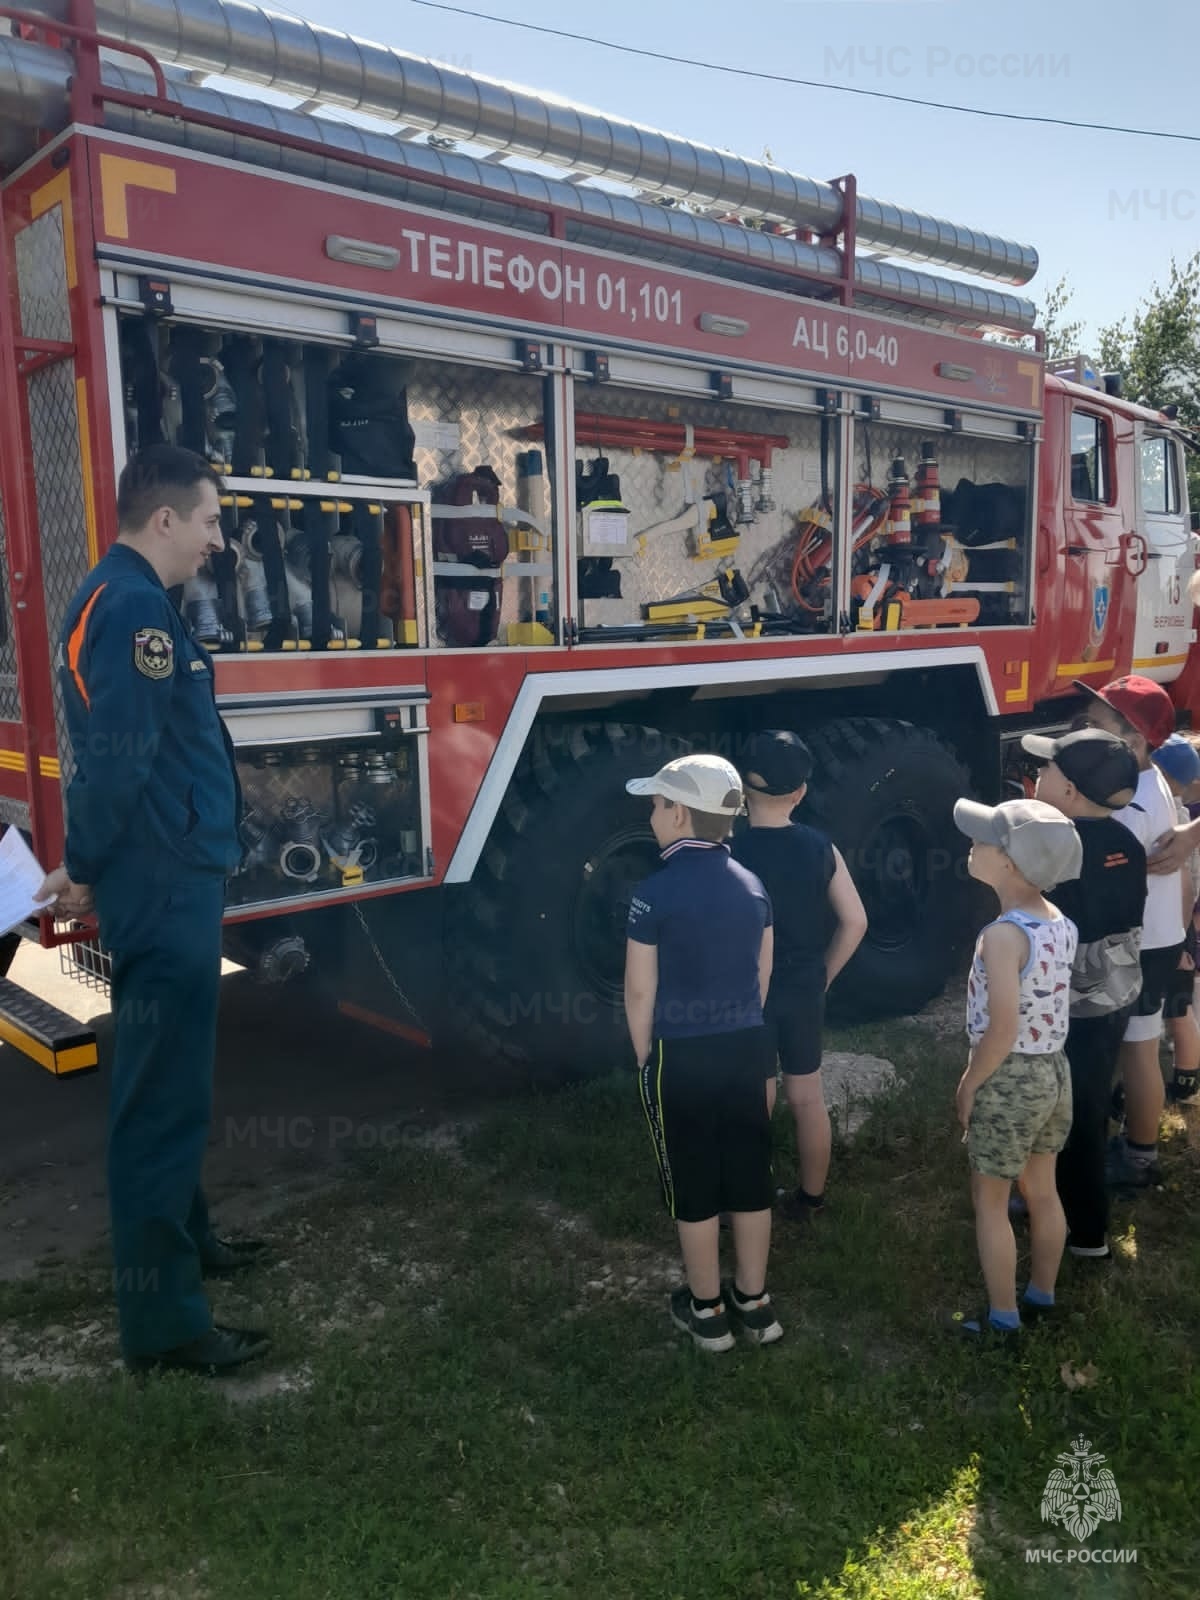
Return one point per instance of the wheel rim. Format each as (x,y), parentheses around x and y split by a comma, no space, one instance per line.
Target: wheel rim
(894,880)
(601,909)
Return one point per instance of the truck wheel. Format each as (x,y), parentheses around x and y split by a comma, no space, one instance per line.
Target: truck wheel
(535,944)
(884,792)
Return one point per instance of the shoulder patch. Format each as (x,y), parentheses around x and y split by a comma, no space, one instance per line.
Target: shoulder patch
(154,652)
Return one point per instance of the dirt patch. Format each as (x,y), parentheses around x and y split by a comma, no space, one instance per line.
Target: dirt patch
(265,1385)
(56,1354)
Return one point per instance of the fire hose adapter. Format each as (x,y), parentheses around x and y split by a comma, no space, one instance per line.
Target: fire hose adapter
(300,853)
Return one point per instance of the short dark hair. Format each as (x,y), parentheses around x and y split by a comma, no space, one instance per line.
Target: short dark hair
(712,826)
(161,475)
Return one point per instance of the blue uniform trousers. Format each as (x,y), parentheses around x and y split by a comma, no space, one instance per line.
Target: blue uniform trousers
(164,932)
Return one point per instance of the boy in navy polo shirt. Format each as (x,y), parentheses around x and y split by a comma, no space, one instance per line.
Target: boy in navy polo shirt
(697,968)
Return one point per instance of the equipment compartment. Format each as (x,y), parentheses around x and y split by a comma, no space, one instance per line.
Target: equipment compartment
(941,528)
(331,457)
(687,514)
(328,812)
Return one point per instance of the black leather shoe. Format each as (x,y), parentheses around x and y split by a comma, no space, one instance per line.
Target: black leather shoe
(213,1355)
(221,1257)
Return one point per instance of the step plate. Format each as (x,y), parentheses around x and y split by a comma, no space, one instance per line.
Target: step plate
(44,1033)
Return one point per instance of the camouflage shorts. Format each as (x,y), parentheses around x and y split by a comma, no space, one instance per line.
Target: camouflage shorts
(1022,1110)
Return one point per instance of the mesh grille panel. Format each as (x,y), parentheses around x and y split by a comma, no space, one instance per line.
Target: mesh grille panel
(54,432)
(10,698)
(42,279)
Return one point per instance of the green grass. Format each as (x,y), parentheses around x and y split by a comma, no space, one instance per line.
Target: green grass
(489,1399)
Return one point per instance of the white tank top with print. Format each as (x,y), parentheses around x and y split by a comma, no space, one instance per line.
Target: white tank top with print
(1044,1010)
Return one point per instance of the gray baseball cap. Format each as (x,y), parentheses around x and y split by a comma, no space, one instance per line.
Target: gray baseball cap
(1039,841)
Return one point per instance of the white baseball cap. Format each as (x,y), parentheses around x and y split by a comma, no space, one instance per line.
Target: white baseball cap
(702,783)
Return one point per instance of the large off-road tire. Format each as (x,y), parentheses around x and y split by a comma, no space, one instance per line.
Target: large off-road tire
(884,792)
(535,944)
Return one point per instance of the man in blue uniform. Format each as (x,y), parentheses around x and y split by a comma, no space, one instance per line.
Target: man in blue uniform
(152,833)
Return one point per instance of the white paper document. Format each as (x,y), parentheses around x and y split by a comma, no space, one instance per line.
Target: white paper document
(20,880)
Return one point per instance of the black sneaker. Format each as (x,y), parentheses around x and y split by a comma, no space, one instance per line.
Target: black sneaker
(709,1329)
(1090,1252)
(754,1319)
(213,1355)
(1121,1171)
(1183,1088)
(1032,1313)
(796,1206)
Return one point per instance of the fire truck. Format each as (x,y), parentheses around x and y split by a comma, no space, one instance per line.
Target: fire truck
(531,481)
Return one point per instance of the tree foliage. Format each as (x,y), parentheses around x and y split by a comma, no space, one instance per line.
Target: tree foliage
(1064,336)
(1157,352)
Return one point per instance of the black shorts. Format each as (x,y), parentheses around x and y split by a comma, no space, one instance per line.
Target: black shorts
(707,1110)
(795,1019)
(1159,973)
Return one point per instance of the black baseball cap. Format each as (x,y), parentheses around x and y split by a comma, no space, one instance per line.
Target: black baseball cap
(776,762)
(1102,767)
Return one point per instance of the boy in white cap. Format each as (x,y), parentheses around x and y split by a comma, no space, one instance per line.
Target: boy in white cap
(1014,1099)
(697,969)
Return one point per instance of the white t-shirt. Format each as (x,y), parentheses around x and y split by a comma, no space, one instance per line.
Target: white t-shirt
(1150,815)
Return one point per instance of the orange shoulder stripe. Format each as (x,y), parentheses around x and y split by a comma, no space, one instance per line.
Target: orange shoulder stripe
(75,646)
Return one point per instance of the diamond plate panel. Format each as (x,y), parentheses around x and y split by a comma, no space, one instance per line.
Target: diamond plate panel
(488,409)
(61,518)
(10,697)
(653,492)
(15,812)
(42,278)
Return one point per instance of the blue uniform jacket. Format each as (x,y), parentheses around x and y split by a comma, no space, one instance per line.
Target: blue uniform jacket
(154,764)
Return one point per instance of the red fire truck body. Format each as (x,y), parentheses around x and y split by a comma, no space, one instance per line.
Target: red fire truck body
(912,633)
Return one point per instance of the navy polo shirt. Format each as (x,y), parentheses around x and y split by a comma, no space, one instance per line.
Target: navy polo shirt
(706,915)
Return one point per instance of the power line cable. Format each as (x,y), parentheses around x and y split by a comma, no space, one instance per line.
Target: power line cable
(810,83)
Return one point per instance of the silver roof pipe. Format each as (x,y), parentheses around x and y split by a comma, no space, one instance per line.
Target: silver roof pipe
(31,77)
(248,42)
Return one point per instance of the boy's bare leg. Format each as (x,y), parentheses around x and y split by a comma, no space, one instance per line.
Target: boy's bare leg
(751,1247)
(1047,1222)
(772,1091)
(994,1240)
(1145,1094)
(700,1243)
(814,1136)
(1185,1036)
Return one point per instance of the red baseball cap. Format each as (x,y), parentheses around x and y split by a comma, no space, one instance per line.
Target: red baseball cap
(1144,704)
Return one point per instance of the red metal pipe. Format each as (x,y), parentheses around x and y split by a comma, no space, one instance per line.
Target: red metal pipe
(669,437)
(83,35)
